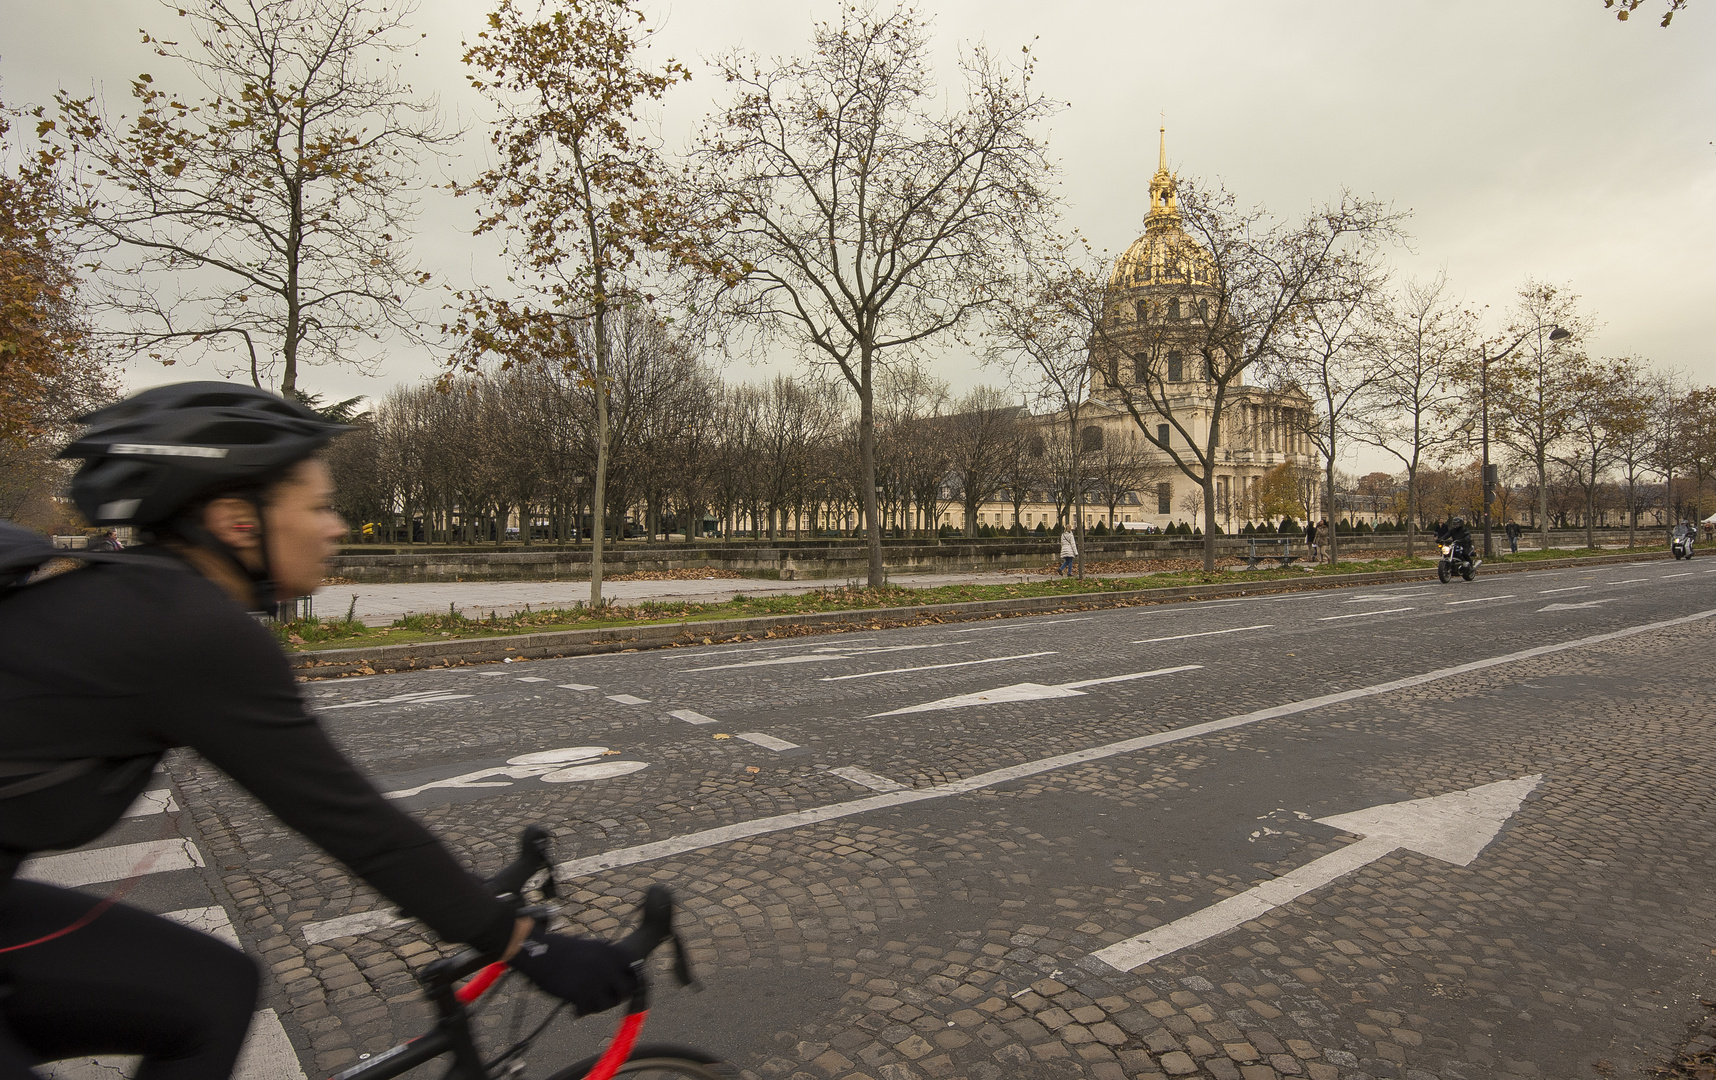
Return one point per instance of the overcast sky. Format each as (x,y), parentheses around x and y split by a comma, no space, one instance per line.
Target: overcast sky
(1529,139)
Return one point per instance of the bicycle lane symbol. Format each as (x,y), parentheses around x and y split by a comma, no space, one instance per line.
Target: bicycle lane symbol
(566,765)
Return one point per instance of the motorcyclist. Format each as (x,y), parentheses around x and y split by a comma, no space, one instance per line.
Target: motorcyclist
(1455,531)
(223,482)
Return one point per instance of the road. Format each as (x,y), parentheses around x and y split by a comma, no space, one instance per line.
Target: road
(1452,831)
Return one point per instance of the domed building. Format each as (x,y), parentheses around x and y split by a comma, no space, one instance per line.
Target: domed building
(1159,333)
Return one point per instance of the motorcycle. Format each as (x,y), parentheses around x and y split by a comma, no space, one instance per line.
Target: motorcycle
(1456,559)
(1682,545)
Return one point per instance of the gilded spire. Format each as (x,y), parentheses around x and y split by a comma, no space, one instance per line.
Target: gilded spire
(1164,207)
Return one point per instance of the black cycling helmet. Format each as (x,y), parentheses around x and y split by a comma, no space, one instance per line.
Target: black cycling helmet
(151,455)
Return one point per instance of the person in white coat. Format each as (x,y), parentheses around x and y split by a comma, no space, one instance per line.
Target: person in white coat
(1069,550)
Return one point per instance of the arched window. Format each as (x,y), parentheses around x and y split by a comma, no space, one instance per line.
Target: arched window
(1174,308)
(1092,437)
(1176,367)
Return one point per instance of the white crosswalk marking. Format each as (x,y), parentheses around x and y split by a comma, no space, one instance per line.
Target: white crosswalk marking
(351,925)
(152,802)
(767,742)
(212,921)
(78,868)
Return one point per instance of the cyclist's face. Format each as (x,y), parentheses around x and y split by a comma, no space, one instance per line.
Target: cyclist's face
(302,529)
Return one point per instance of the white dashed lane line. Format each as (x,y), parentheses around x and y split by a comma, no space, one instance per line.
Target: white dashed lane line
(1362,614)
(691,716)
(75,869)
(1570,588)
(866,779)
(628,699)
(531,678)
(575,686)
(1480,599)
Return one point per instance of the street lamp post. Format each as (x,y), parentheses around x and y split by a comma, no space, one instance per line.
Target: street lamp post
(1489,478)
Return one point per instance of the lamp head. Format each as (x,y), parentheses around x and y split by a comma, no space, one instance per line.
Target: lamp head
(1560,334)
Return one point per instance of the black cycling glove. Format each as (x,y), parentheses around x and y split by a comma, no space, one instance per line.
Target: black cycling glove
(588,974)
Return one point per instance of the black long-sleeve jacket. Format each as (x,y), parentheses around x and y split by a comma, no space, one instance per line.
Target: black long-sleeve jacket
(123,662)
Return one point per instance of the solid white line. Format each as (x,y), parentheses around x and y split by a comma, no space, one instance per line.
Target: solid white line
(1127,678)
(1630,581)
(575,686)
(691,716)
(865,778)
(627,699)
(152,802)
(767,742)
(679,845)
(933,667)
(1019,624)
(1362,614)
(76,868)
(1570,588)
(212,921)
(1665,577)
(1480,600)
(1206,633)
(838,654)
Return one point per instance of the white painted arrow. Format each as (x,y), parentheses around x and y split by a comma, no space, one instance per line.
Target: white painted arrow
(1029,691)
(1454,827)
(1575,607)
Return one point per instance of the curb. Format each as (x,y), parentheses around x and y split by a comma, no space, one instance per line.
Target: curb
(417,656)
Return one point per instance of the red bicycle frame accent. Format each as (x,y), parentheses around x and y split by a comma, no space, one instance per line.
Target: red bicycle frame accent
(619,1050)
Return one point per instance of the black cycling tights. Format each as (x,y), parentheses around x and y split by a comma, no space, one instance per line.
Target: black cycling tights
(127,983)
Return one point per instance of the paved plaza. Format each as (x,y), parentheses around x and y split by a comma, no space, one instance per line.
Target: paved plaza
(1422,832)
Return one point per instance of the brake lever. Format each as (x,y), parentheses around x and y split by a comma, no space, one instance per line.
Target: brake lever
(682,965)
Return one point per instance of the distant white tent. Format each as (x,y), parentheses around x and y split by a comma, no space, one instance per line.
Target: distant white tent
(1711,520)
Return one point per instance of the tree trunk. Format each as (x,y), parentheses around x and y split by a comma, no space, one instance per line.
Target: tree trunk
(1411,508)
(1209,519)
(867,462)
(1334,526)
(599,497)
(1543,501)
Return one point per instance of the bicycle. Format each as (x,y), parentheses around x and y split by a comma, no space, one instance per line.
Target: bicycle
(623,1057)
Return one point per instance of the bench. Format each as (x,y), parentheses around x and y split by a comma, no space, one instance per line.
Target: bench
(1259,550)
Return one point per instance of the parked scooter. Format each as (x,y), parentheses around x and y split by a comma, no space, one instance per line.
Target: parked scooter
(1681,545)
(1458,557)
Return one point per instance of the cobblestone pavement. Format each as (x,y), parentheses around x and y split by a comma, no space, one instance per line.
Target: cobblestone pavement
(942,825)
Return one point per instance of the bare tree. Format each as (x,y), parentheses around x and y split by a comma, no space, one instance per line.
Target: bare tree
(1122,467)
(1532,386)
(982,437)
(270,213)
(1603,414)
(575,191)
(865,220)
(1419,398)
(1336,350)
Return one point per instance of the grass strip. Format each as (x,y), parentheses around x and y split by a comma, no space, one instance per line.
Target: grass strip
(305,635)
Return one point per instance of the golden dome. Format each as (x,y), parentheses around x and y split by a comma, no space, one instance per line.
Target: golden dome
(1165,254)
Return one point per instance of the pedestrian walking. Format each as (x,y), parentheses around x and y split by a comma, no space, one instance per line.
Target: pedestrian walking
(1513,537)
(1069,550)
(1311,538)
(107,541)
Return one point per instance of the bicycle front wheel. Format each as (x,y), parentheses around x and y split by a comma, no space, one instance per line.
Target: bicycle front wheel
(659,1061)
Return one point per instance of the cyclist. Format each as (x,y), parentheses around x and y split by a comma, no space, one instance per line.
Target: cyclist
(224,482)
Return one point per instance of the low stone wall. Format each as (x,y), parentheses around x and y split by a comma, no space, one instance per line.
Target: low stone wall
(835,561)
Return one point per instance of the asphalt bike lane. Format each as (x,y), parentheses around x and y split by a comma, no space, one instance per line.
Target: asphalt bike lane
(653,710)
